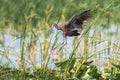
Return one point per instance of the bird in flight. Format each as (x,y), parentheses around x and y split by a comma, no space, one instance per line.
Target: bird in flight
(74,26)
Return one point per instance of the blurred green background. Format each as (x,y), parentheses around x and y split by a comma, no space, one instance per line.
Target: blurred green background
(47,12)
(26,33)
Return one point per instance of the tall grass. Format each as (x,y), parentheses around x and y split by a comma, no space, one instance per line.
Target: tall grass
(30,23)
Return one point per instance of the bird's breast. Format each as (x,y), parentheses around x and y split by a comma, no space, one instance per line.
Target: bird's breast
(72,33)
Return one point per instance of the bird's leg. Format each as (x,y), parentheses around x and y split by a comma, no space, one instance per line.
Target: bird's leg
(63,44)
(64,40)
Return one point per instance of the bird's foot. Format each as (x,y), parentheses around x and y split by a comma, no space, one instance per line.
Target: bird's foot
(62,46)
(58,46)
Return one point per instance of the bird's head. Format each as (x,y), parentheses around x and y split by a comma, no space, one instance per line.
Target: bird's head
(56,26)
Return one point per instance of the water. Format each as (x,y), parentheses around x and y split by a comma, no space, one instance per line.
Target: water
(12,51)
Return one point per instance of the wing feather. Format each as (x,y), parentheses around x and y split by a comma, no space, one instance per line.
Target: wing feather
(79,19)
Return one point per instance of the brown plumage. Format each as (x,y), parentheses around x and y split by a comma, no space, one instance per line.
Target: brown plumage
(74,26)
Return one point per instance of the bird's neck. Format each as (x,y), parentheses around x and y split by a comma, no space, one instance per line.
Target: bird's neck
(58,27)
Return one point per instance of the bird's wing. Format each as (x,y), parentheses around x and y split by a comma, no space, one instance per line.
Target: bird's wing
(79,19)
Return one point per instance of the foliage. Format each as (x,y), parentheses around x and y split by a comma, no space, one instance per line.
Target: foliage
(112,72)
(72,70)
(78,69)
(30,21)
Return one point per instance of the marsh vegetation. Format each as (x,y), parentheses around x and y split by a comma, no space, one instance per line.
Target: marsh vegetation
(28,42)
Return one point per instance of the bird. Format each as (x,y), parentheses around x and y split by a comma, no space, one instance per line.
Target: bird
(73,27)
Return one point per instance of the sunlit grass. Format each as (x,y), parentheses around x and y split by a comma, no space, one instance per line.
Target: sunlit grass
(38,56)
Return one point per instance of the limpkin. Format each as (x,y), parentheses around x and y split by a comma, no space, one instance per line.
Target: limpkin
(74,26)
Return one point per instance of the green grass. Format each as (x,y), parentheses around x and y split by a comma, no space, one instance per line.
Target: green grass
(30,20)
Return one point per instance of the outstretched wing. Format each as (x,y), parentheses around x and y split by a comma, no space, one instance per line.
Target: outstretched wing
(79,19)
